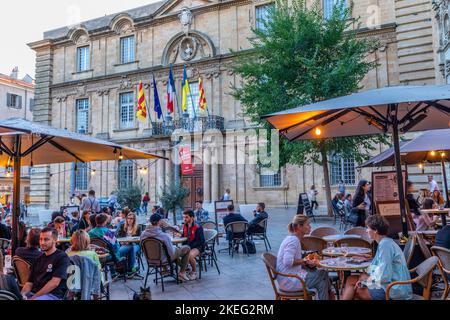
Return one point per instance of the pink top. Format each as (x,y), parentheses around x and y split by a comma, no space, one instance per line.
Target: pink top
(423,222)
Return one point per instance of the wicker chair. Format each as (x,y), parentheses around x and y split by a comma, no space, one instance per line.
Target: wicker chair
(408,251)
(209,225)
(209,255)
(424,278)
(310,243)
(238,233)
(359,231)
(443,255)
(7,296)
(271,265)
(157,256)
(324,231)
(21,270)
(262,235)
(353,242)
(4,245)
(423,246)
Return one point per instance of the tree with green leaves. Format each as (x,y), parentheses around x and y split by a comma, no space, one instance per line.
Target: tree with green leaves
(130,196)
(299,58)
(173,197)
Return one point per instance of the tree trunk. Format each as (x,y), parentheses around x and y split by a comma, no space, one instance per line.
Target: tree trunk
(326,176)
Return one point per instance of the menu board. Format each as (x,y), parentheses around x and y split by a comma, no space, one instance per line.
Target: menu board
(385,186)
(388,208)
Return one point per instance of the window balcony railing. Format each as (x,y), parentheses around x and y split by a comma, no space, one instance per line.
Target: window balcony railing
(194,125)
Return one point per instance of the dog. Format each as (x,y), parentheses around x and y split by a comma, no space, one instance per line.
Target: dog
(145,294)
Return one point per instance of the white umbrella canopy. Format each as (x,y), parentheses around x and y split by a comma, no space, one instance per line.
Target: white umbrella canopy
(393,110)
(58,146)
(419,108)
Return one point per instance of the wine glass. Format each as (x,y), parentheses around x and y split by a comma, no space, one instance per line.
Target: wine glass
(344,248)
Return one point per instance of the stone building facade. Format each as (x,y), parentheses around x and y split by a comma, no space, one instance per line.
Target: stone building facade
(87,78)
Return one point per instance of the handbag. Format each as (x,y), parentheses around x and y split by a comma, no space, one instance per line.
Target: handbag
(353,216)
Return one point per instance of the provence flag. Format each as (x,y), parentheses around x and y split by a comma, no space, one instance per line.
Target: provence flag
(171,92)
(202,103)
(141,110)
(186,92)
(158,108)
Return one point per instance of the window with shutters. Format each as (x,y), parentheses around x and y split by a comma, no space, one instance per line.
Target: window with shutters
(126,110)
(328,7)
(83,59)
(125,178)
(82,116)
(31,104)
(127,49)
(13,101)
(262,15)
(342,169)
(81,176)
(270,180)
(193,102)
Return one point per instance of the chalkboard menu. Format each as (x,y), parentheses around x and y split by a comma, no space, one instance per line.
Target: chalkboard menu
(304,206)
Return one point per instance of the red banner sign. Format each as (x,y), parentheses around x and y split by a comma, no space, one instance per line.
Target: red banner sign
(186,161)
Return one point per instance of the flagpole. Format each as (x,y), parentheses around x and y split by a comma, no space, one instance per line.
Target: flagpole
(156,93)
(176,96)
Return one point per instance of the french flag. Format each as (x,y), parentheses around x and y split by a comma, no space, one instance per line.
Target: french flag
(170,92)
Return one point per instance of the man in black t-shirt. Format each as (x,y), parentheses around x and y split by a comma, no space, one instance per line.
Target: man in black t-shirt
(48,274)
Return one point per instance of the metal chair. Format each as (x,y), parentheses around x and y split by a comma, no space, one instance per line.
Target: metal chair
(209,225)
(209,255)
(423,246)
(108,265)
(310,243)
(271,265)
(21,270)
(237,233)
(323,232)
(424,278)
(353,242)
(157,256)
(358,231)
(262,235)
(7,296)
(443,255)
(339,215)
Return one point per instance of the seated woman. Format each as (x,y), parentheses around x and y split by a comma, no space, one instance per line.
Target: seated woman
(290,261)
(389,265)
(80,242)
(130,229)
(423,221)
(85,222)
(437,197)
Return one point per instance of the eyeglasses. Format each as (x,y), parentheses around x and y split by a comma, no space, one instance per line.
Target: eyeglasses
(130,218)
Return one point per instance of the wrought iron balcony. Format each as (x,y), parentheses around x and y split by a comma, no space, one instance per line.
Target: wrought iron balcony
(199,124)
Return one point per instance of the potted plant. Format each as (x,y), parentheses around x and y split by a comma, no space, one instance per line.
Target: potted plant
(173,197)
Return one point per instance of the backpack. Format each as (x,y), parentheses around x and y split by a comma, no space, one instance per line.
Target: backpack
(249,247)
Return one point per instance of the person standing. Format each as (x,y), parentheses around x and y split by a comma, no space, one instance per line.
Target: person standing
(112,201)
(201,214)
(227,195)
(362,202)
(90,203)
(341,187)
(48,275)
(312,195)
(432,185)
(145,202)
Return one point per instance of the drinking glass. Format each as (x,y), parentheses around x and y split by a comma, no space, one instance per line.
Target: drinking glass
(344,248)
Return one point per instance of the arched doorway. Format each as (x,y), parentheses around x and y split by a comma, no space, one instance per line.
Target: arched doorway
(194,183)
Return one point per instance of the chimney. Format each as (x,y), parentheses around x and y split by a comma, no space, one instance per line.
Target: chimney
(15,73)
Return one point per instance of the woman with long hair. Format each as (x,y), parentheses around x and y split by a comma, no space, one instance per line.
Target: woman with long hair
(290,261)
(362,202)
(80,242)
(130,250)
(437,197)
(423,221)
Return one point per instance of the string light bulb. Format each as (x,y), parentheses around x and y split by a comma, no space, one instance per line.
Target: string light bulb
(93,172)
(318,132)
(420,165)
(443,154)
(120,156)
(433,153)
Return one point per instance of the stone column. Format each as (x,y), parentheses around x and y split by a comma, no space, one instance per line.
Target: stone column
(168,165)
(215,192)
(42,113)
(207,176)
(160,172)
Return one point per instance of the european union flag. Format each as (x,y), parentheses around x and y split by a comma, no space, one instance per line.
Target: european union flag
(158,108)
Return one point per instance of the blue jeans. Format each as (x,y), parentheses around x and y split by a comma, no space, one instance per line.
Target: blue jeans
(145,207)
(48,296)
(130,251)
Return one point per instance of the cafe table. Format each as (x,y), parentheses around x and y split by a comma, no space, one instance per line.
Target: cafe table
(336,237)
(175,240)
(348,251)
(63,240)
(438,212)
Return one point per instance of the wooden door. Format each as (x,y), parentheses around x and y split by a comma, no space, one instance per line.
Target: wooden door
(194,183)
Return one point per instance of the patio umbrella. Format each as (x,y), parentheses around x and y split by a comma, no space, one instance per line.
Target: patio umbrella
(432,146)
(387,110)
(25,143)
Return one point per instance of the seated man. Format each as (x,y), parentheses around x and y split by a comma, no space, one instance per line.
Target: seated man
(48,274)
(196,240)
(260,215)
(201,214)
(31,252)
(178,255)
(102,232)
(443,237)
(232,217)
(5,232)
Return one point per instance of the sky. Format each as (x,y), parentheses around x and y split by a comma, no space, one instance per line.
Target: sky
(25,21)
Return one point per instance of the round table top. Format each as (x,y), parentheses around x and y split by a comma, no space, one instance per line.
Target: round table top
(336,237)
(175,240)
(350,251)
(436,211)
(178,240)
(344,264)
(425,232)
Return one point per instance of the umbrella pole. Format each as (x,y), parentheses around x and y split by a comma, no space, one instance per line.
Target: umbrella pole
(398,168)
(16,196)
(445,183)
